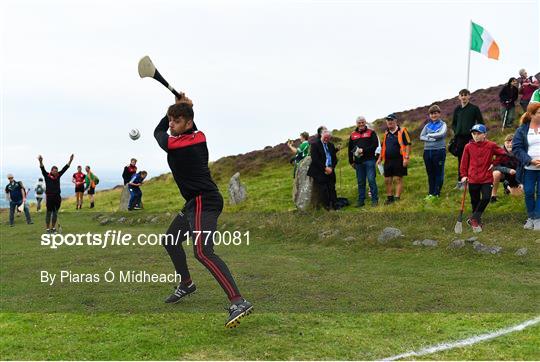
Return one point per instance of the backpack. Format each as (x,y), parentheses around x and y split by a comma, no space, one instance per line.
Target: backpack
(452,147)
(39,189)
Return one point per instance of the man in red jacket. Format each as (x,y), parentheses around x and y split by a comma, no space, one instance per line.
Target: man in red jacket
(475,169)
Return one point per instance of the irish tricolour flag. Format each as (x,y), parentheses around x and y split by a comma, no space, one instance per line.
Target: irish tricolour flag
(482,42)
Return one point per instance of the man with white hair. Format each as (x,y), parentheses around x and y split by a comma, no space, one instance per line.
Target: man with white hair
(322,168)
(527,86)
(363,143)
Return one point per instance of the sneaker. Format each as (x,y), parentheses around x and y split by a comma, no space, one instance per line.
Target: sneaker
(360,204)
(396,198)
(30,222)
(529,224)
(53,231)
(389,200)
(536,224)
(493,199)
(238,311)
(180,292)
(375,203)
(48,231)
(476,227)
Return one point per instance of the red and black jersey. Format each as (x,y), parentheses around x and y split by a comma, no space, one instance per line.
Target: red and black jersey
(367,140)
(128,173)
(79,178)
(187,155)
(52,183)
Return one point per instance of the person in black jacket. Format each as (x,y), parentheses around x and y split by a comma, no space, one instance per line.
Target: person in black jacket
(322,168)
(362,145)
(508,97)
(52,192)
(465,116)
(187,155)
(129,171)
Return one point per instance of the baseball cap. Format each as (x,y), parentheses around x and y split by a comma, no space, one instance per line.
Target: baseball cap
(479,128)
(392,117)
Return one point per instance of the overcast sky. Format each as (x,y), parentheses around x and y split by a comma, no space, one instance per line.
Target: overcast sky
(259,72)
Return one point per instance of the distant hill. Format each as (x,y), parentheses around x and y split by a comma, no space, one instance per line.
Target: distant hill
(250,163)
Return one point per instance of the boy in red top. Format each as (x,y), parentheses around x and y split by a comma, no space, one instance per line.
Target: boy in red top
(475,169)
(78,180)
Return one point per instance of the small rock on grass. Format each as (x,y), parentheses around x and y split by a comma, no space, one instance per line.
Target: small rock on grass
(456,244)
(481,248)
(389,233)
(521,252)
(425,242)
(328,234)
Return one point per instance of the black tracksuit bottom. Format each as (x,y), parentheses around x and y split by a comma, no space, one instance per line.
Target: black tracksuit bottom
(199,218)
(480,197)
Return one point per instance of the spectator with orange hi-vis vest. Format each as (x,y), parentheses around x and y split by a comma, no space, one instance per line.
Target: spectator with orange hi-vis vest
(395,154)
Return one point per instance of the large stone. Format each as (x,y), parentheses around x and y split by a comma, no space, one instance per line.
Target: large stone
(303,194)
(389,234)
(124,199)
(237,191)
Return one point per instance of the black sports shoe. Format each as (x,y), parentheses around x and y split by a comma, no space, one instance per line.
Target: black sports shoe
(238,311)
(180,292)
(493,199)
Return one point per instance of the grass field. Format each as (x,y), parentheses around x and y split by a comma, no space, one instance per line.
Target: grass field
(342,296)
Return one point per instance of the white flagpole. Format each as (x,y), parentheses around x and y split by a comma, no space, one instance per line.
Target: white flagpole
(469,54)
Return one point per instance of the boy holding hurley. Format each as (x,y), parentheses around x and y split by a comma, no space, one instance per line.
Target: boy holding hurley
(475,169)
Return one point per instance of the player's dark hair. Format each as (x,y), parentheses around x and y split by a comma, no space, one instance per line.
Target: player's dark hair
(181,110)
(319,131)
(464,92)
(509,83)
(304,135)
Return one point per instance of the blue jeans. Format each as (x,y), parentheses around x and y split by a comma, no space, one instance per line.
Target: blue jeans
(135,197)
(363,170)
(434,161)
(531,187)
(13,206)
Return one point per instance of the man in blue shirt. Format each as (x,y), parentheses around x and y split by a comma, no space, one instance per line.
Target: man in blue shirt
(135,190)
(16,195)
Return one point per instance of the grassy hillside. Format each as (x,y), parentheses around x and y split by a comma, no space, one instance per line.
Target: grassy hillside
(322,285)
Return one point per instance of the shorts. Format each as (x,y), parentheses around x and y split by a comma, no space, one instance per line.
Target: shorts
(53,202)
(510,180)
(79,188)
(91,190)
(394,168)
